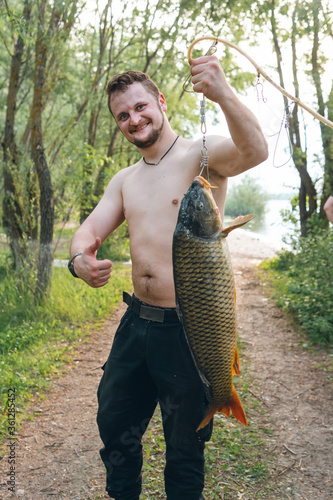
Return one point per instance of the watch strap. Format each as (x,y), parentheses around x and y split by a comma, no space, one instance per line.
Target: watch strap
(71,264)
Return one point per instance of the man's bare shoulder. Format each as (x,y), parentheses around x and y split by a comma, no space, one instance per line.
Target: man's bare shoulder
(120,177)
(189,145)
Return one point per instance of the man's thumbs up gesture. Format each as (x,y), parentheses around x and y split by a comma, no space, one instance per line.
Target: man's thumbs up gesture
(94,272)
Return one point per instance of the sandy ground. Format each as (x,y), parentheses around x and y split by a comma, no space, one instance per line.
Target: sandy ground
(57,452)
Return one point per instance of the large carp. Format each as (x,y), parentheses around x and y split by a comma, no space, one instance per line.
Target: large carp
(206,297)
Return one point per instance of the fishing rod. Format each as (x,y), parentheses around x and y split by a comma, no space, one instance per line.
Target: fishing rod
(260,71)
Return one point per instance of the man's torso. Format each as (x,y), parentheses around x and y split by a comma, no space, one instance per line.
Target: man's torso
(151,199)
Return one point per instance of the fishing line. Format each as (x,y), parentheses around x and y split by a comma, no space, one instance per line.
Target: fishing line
(259,84)
(285,124)
(260,71)
(204,151)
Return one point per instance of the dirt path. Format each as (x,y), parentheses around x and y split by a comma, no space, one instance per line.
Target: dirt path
(297,395)
(57,452)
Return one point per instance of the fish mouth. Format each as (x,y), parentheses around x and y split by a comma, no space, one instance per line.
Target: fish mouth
(204,183)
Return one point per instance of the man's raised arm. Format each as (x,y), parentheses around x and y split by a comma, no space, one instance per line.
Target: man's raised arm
(247,146)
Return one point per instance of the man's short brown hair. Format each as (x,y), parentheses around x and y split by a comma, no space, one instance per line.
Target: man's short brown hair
(121,82)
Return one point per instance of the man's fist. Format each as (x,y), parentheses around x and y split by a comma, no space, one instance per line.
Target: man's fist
(94,272)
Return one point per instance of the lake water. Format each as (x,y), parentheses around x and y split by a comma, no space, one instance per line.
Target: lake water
(273,229)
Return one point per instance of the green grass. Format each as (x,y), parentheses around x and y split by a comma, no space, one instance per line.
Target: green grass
(238,459)
(36,340)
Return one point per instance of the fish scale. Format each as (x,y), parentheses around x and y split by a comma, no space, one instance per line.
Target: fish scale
(205,294)
(195,296)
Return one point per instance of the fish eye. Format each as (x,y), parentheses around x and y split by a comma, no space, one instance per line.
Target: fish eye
(200,206)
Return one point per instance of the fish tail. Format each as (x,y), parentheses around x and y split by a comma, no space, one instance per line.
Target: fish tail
(233,406)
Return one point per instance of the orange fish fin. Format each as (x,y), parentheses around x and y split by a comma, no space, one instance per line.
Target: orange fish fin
(235,367)
(238,222)
(236,408)
(234,405)
(210,414)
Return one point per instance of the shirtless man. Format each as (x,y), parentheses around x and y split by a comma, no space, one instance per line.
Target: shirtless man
(150,362)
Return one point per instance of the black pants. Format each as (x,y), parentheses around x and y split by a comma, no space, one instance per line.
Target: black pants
(150,363)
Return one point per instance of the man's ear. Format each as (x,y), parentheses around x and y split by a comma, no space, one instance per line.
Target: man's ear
(163,103)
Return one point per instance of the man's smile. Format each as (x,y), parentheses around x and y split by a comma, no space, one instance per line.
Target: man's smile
(139,127)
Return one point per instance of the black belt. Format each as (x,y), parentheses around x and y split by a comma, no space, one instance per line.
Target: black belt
(151,313)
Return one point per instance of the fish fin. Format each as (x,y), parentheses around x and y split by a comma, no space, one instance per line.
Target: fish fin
(235,367)
(238,222)
(233,406)
(236,407)
(210,414)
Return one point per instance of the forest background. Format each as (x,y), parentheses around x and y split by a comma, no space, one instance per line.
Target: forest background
(60,146)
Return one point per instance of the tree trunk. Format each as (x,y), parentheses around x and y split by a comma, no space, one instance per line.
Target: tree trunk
(307,190)
(12,210)
(45,183)
(327,138)
(326,132)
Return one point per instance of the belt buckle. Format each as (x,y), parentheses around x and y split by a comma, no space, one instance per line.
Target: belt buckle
(152,314)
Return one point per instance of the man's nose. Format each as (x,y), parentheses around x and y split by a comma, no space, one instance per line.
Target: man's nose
(135,118)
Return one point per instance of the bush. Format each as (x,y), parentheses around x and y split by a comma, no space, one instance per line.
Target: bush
(247,197)
(307,284)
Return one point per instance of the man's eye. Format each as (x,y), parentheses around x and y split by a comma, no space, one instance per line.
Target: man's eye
(123,116)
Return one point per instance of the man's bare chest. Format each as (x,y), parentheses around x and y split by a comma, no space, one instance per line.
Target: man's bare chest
(158,196)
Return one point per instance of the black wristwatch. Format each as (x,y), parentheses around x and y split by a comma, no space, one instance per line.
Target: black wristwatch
(71,266)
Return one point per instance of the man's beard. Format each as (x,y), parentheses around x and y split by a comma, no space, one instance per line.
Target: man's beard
(151,139)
